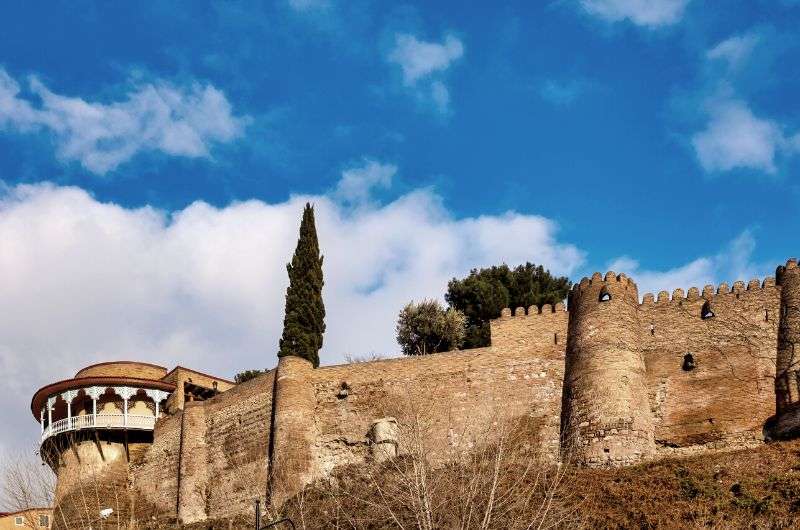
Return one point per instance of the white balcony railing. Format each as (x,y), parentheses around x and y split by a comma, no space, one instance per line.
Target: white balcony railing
(100,421)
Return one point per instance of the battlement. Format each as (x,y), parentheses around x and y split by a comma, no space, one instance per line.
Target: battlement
(610,278)
(544,326)
(709,292)
(534,311)
(601,288)
(791,264)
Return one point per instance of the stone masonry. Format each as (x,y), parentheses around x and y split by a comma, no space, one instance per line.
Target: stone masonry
(610,380)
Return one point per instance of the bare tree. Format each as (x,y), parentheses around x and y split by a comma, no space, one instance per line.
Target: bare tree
(26,483)
(501,478)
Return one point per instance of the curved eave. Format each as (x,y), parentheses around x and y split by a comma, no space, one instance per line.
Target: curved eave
(39,398)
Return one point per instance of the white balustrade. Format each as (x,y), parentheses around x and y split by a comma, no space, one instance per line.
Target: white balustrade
(102,420)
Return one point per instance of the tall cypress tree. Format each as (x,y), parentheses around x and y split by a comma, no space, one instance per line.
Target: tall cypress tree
(304,322)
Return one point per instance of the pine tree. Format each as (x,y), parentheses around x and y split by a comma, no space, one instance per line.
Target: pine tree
(485,292)
(304,322)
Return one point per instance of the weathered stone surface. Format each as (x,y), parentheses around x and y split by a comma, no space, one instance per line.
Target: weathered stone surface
(605,382)
(670,376)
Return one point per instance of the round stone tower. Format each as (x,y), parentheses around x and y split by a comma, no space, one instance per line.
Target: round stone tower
(292,461)
(787,369)
(92,425)
(605,418)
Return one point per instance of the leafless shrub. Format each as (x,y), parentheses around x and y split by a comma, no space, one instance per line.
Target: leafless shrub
(367,358)
(500,479)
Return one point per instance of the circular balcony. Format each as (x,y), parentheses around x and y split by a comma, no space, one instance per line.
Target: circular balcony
(100,421)
(99,402)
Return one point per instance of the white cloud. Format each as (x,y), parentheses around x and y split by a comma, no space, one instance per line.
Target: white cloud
(562,93)
(178,121)
(649,13)
(86,281)
(309,5)
(357,183)
(734,50)
(424,64)
(735,138)
(440,95)
(733,263)
(420,59)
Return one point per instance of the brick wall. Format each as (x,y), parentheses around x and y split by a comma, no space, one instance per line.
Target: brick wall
(237,443)
(459,398)
(154,474)
(89,481)
(535,328)
(729,393)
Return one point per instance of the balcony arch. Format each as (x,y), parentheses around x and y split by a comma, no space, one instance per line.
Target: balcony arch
(99,403)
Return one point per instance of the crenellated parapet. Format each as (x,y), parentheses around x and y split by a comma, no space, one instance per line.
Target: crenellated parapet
(544,326)
(754,287)
(534,311)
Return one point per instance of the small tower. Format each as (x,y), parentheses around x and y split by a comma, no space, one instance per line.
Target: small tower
(91,427)
(787,376)
(291,459)
(605,418)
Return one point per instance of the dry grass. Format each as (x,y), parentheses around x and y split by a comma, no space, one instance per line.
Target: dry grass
(504,483)
(501,486)
(752,488)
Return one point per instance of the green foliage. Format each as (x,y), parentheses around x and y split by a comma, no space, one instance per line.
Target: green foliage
(427,327)
(483,294)
(247,375)
(304,322)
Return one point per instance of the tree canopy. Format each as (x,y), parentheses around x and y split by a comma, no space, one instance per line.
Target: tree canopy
(427,327)
(483,294)
(247,375)
(304,321)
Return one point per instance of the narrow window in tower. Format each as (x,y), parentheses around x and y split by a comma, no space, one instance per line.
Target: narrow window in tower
(604,295)
(652,329)
(688,363)
(555,337)
(766,315)
(706,312)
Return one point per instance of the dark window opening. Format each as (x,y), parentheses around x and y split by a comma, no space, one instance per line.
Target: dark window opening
(555,337)
(706,312)
(766,315)
(652,329)
(605,296)
(606,450)
(688,363)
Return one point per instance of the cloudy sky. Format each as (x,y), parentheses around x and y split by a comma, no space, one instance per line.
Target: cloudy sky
(154,160)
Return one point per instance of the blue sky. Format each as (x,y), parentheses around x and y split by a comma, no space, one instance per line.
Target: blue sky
(154,159)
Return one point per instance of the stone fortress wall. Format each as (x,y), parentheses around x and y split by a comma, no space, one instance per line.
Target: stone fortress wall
(612,381)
